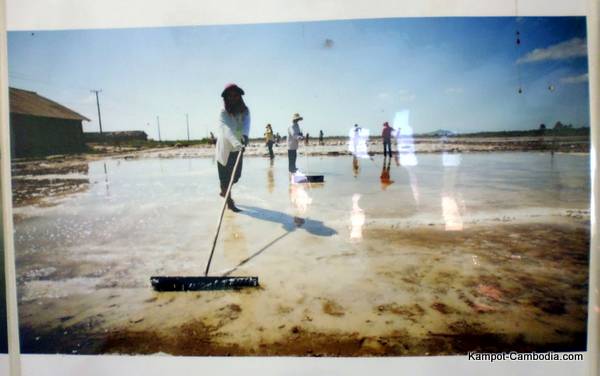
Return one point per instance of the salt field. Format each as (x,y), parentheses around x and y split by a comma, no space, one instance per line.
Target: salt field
(460,252)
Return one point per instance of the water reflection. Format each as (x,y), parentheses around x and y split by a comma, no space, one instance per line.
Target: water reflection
(38,183)
(357,219)
(300,200)
(106,183)
(355,167)
(385,178)
(270,177)
(452,203)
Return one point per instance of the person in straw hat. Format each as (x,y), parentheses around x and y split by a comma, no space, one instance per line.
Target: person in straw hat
(232,137)
(294,135)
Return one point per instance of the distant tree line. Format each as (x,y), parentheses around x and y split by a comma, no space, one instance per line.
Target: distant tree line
(559,129)
(557,126)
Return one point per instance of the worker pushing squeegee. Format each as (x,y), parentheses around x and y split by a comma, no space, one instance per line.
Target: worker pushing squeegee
(294,136)
(233,137)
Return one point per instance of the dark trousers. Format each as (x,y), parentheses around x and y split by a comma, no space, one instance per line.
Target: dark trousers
(270,146)
(225,172)
(292,154)
(387,147)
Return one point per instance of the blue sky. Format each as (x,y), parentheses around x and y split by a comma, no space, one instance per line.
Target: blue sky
(460,74)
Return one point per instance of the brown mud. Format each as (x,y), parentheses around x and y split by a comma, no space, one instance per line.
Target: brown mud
(491,288)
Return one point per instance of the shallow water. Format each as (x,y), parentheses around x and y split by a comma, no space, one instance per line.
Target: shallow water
(161,203)
(319,249)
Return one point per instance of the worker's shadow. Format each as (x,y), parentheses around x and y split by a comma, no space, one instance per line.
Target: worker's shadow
(287,221)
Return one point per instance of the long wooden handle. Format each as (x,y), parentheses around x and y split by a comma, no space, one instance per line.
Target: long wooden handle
(212,250)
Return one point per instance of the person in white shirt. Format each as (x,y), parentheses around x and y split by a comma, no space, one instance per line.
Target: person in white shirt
(232,137)
(294,135)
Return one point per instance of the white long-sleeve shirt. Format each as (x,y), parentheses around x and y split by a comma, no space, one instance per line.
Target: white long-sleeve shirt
(294,135)
(231,129)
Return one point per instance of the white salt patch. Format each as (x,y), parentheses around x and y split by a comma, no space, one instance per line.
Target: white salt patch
(33,290)
(39,273)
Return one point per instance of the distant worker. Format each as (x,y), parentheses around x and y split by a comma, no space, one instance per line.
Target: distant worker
(213,140)
(321,137)
(356,138)
(386,135)
(277,139)
(233,137)
(307,139)
(269,140)
(294,135)
(357,143)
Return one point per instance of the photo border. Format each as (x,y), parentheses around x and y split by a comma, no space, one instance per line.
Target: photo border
(87,14)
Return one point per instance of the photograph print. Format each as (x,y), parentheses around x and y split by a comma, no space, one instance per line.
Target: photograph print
(348,188)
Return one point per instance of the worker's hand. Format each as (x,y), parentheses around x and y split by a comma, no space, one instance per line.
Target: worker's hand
(245,140)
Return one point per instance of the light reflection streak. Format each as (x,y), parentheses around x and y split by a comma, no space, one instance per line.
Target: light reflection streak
(357,219)
(357,141)
(451,214)
(405,146)
(405,143)
(299,198)
(414,184)
(451,210)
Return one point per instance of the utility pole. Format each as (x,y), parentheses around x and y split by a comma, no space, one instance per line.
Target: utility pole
(98,105)
(187,120)
(158,126)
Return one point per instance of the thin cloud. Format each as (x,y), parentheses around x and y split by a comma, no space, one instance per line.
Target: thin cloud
(406,96)
(572,48)
(454,90)
(575,79)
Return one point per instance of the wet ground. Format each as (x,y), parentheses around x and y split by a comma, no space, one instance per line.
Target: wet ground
(457,253)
